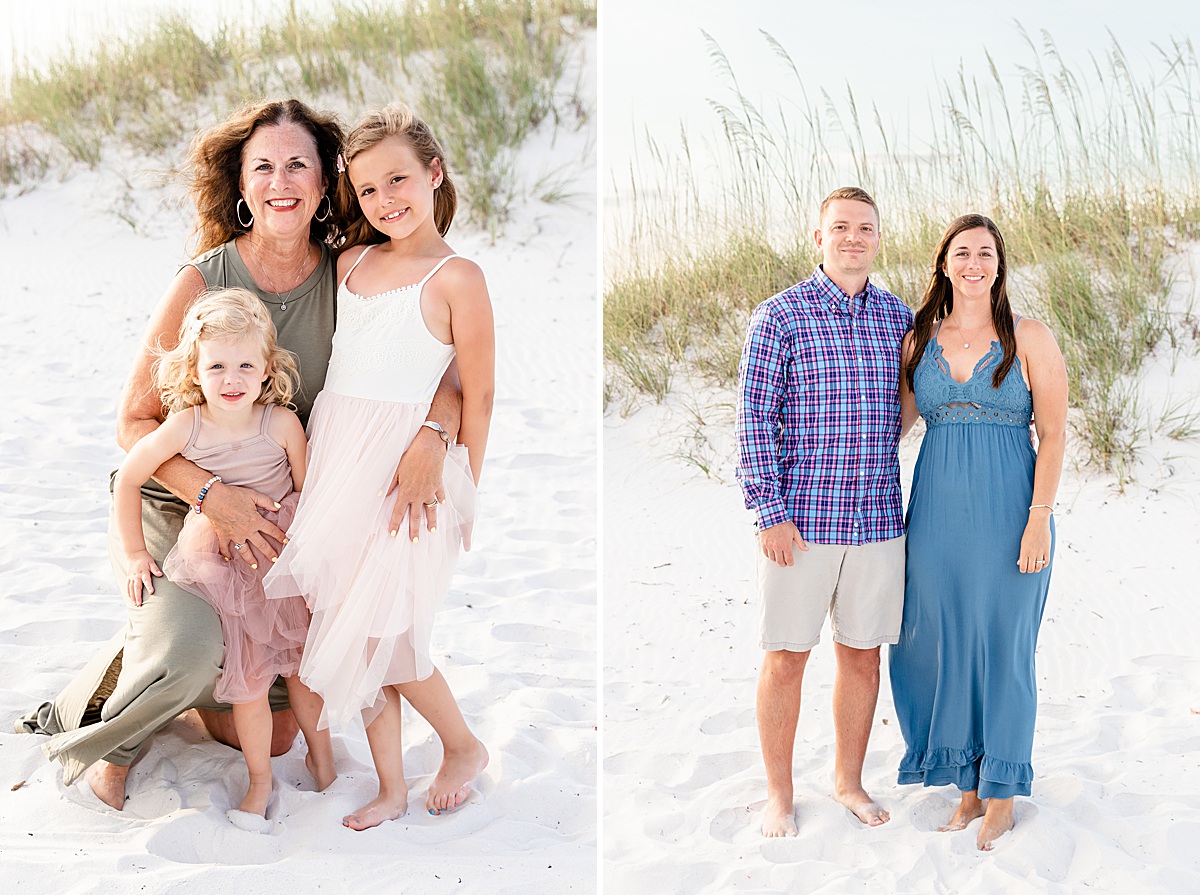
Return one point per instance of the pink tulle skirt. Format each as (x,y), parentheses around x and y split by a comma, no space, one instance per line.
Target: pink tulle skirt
(372,597)
(263,638)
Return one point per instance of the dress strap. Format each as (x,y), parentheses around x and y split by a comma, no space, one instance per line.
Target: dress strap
(356,263)
(1016,321)
(436,268)
(266,418)
(191,442)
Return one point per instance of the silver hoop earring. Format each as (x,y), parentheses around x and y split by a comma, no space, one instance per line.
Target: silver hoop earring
(237,209)
(328,210)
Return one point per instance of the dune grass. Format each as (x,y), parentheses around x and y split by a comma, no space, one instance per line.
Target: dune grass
(483,74)
(1093,177)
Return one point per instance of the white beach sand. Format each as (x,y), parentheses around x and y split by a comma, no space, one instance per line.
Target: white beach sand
(1116,799)
(516,639)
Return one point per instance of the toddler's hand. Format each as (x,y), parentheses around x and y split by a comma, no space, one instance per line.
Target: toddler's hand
(142,572)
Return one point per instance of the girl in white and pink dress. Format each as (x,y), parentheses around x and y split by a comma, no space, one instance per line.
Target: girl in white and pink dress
(407,305)
(223,385)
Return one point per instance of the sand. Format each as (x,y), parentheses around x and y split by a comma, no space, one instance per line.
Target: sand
(517,637)
(1116,798)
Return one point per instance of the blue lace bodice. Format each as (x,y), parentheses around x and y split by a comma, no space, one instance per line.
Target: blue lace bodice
(941,399)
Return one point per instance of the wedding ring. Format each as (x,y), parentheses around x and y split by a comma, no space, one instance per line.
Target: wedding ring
(1039,562)
(432,503)
(238,546)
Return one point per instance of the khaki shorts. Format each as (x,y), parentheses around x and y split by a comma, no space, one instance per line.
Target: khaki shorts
(861,588)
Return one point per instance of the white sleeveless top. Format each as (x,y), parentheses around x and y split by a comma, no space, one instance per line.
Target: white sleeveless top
(382,349)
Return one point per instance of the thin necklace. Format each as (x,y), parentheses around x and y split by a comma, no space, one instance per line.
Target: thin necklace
(270,282)
(967,342)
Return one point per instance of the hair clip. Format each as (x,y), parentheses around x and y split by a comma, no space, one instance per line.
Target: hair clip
(341,164)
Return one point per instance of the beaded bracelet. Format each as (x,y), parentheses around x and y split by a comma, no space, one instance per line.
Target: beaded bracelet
(204,493)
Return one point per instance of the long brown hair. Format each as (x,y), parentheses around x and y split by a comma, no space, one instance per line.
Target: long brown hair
(214,166)
(396,120)
(939,299)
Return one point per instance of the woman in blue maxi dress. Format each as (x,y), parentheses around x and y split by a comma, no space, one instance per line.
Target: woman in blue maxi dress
(979,531)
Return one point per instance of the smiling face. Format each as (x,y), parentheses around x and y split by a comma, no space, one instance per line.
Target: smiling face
(394,190)
(231,372)
(972,263)
(848,239)
(281,180)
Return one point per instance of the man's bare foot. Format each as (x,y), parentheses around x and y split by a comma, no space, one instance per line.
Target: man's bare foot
(779,818)
(108,783)
(968,809)
(322,776)
(257,797)
(996,822)
(862,806)
(376,812)
(452,784)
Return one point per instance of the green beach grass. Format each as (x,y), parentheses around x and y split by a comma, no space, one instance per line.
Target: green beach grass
(483,74)
(1093,176)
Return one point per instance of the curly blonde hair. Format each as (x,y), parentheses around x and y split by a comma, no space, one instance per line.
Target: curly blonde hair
(223,314)
(396,120)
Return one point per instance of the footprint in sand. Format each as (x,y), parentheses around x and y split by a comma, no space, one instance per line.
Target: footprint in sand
(209,838)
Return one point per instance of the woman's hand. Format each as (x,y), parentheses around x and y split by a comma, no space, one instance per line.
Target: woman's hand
(418,484)
(234,514)
(142,572)
(1035,543)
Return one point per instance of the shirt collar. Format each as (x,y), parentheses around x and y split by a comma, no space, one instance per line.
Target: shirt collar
(838,301)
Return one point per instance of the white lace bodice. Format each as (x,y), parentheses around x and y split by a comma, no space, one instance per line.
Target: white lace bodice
(382,349)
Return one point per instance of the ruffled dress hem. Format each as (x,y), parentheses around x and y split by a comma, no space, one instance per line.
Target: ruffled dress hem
(968,770)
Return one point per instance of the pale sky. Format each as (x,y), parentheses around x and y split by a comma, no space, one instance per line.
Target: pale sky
(656,70)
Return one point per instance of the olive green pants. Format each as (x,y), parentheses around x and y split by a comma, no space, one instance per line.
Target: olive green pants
(164,662)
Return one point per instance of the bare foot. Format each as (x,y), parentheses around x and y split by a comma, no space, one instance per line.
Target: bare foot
(376,812)
(452,784)
(322,776)
(968,809)
(862,806)
(108,783)
(996,822)
(779,818)
(257,797)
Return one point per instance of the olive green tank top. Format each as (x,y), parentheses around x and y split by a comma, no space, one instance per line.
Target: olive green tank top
(305,326)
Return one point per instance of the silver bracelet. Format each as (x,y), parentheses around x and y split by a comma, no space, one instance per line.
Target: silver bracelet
(442,433)
(1044,506)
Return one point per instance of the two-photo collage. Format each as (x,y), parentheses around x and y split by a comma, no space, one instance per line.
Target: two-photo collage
(438,436)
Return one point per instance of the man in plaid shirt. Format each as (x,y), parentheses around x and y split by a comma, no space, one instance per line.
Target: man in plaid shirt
(818,429)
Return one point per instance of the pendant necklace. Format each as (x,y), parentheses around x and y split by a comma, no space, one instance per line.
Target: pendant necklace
(270,282)
(967,342)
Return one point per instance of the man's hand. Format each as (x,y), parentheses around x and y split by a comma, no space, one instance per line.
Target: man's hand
(777,543)
(234,514)
(418,484)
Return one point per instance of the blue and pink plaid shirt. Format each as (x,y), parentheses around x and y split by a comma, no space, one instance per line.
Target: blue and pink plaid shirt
(818,419)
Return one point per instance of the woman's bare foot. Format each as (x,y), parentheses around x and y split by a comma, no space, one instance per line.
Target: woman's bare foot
(257,797)
(322,775)
(996,822)
(969,808)
(452,785)
(779,818)
(862,806)
(108,782)
(372,814)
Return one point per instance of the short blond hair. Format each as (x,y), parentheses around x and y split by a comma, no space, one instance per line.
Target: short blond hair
(223,314)
(853,193)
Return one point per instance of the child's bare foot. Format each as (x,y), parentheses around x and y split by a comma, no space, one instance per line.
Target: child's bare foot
(452,785)
(862,806)
(323,773)
(969,808)
(108,782)
(996,822)
(257,797)
(779,817)
(374,813)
